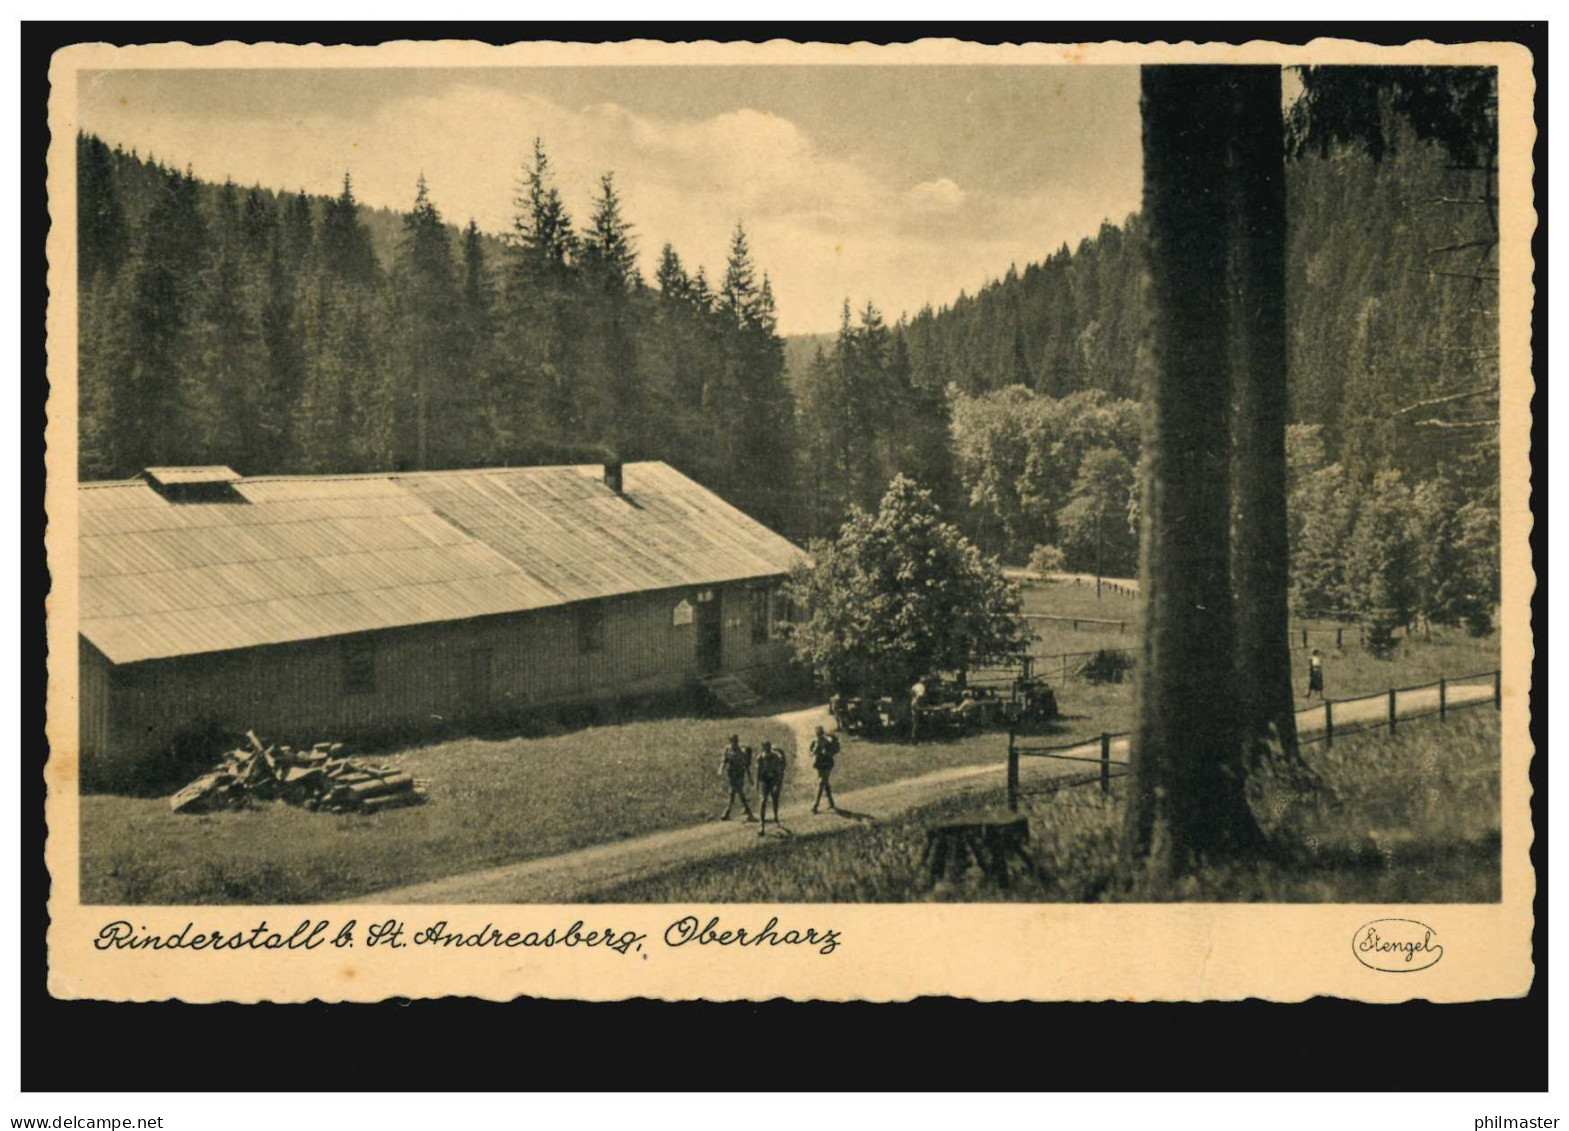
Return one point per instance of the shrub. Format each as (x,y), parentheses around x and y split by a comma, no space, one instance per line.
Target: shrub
(1107,666)
(1380,637)
(1047,559)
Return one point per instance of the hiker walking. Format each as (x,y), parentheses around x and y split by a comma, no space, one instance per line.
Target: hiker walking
(1316,674)
(824,747)
(735,766)
(770,783)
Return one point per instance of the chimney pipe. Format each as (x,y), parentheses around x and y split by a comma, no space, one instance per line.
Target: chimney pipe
(613,475)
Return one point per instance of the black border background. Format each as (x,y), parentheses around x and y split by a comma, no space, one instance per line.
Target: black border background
(929,1044)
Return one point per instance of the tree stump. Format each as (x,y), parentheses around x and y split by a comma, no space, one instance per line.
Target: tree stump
(990,845)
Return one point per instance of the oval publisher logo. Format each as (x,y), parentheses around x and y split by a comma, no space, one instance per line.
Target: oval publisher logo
(1396,946)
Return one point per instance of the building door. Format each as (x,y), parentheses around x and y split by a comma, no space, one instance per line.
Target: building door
(710,631)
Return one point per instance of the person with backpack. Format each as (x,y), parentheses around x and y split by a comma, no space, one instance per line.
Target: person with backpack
(770,783)
(824,749)
(735,766)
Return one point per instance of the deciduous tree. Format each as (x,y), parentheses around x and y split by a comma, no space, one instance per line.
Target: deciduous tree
(899,595)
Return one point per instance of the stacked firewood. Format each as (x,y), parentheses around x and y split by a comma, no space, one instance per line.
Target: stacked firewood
(320,778)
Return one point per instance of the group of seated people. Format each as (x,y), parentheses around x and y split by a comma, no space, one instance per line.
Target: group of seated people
(866,713)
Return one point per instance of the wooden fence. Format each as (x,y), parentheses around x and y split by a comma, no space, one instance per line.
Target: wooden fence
(1090,622)
(1107,769)
(1301,636)
(1120,588)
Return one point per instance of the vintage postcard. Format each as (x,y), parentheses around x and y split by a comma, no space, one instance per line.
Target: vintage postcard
(737,521)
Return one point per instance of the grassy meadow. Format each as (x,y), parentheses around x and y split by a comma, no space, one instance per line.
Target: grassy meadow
(1412,817)
(492,801)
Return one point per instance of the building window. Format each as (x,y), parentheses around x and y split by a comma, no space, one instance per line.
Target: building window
(359,667)
(784,609)
(760,615)
(591,627)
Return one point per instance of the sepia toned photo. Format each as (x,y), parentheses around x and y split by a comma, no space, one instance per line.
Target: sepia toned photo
(730,507)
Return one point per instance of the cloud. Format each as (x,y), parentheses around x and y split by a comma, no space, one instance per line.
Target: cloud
(941,195)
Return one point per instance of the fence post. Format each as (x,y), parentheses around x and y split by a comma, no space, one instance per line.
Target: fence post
(1443,698)
(1075,626)
(1340,638)
(1329,723)
(1304,638)
(1498,690)
(1105,762)
(1013,774)
(1391,710)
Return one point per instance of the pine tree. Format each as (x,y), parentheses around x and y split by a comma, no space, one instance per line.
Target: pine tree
(335,319)
(821,447)
(271,440)
(427,321)
(475,359)
(612,382)
(102,236)
(156,399)
(542,225)
(609,250)
(103,247)
(542,404)
(258,225)
(926,429)
(1023,373)
(671,278)
(299,231)
(345,244)
(739,293)
(702,294)
(231,356)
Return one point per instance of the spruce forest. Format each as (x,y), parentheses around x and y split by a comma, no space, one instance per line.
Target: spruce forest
(283,333)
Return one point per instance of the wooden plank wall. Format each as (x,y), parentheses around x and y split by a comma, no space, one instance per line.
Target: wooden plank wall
(424,677)
(94,700)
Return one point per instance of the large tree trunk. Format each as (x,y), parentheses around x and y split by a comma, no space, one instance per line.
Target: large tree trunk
(1260,548)
(1187,801)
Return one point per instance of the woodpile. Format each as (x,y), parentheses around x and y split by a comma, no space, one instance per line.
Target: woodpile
(320,778)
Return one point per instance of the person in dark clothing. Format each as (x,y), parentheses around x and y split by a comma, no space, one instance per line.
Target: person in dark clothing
(770,783)
(735,766)
(918,699)
(1316,674)
(824,748)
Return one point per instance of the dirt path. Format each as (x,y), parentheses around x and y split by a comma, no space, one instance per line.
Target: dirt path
(570,876)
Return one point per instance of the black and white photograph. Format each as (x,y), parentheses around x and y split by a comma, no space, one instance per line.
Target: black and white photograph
(515,488)
(890,481)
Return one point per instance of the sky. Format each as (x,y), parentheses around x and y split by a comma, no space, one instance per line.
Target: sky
(899,185)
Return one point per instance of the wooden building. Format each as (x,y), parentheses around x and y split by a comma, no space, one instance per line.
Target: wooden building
(313,607)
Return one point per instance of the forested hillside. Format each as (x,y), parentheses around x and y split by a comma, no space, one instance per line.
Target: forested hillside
(284,333)
(1393,364)
(1385,306)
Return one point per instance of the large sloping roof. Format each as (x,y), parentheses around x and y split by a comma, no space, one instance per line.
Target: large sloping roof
(302,557)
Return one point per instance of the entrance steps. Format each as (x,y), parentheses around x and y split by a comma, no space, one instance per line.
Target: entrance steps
(733,691)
